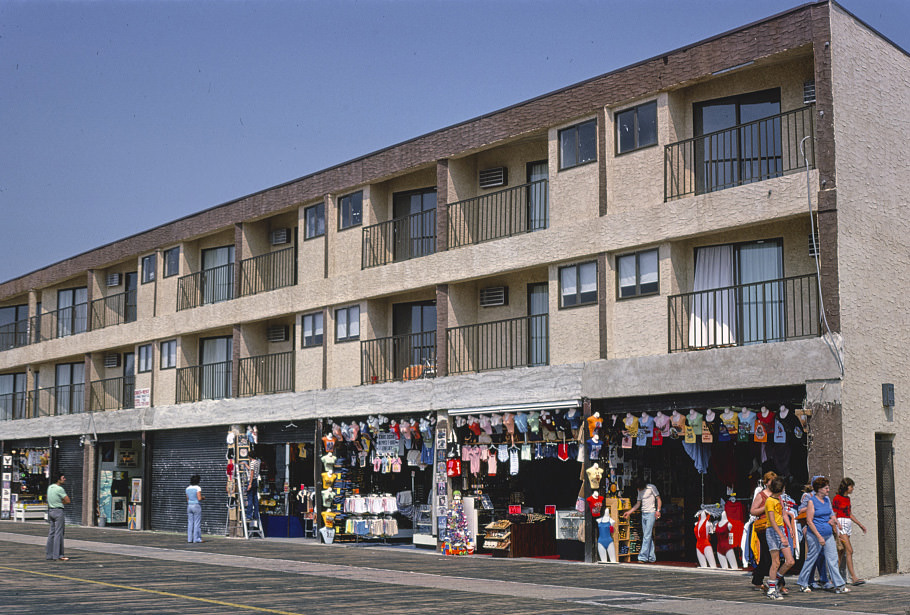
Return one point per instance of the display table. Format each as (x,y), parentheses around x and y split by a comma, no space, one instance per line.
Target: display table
(30,510)
(521,539)
(282,526)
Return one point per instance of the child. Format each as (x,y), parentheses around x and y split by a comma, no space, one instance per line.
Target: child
(776,538)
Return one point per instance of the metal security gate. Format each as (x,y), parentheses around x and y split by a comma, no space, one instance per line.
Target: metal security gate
(69,460)
(175,457)
(887,513)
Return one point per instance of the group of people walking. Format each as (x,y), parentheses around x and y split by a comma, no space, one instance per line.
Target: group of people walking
(826,528)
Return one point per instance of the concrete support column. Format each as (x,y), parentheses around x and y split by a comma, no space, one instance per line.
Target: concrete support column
(442,324)
(602,281)
(235,360)
(442,202)
(239,254)
(89,485)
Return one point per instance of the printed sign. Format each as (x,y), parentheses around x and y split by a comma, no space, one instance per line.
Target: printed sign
(514,510)
(386,443)
(142,398)
(549,509)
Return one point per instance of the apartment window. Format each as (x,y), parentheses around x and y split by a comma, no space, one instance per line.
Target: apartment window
(171,262)
(578,144)
(636,127)
(637,274)
(350,210)
(145,358)
(312,329)
(314,221)
(169,354)
(148,268)
(578,284)
(347,323)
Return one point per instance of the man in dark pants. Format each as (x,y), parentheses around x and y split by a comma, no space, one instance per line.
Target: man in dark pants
(56,499)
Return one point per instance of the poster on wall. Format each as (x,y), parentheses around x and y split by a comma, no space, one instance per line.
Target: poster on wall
(104,493)
(142,398)
(136,491)
(127,458)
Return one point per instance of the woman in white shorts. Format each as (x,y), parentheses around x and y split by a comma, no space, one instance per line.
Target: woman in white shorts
(844,511)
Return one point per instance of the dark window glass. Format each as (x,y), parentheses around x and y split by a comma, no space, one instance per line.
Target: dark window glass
(636,127)
(148,268)
(145,358)
(168,354)
(312,329)
(578,284)
(637,274)
(350,210)
(314,221)
(347,323)
(171,262)
(578,144)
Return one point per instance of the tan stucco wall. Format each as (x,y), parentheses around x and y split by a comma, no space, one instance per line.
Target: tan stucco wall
(311,252)
(871,82)
(574,331)
(573,191)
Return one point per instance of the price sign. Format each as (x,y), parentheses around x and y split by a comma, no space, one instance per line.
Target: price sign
(514,510)
(549,509)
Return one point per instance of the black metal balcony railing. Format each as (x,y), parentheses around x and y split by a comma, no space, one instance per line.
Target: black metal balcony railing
(60,323)
(266,374)
(206,286)
(740,155)
(502,344)
(400,239)
(504,213)
(209,381)
(13,406)
(114,310)
(112,393)
(14,334)
(771,311)
(268,271)
(56,400)
(400,357)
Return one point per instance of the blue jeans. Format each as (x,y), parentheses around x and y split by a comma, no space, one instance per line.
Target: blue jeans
(252,501)
(647,538)
(193,523)
(816,551)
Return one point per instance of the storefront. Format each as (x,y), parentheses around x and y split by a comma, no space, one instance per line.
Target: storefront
(120,477)
(376,479)
(27,469)
(514,481)
(705,454)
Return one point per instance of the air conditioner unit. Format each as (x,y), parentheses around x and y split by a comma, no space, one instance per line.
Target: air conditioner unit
(493,296)
(280,236)
(112,359)
(277,333)
(493,178)
(114,279)
(813,245)
(808,92)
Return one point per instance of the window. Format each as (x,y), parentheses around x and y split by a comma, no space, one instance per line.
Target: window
(637,274)
(171,262)
(636,127)
(145,358)
(312,329)
(347,324)
(578,284)
(350,210)
(148,268)
(578,144)
(314,221)
(169,354)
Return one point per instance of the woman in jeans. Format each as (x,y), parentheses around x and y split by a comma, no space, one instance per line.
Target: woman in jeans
(194,499)
(820,539)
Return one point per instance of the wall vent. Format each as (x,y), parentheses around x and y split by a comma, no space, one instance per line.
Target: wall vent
(280,236)
(114,279)
(493,296)
(112,359)
(813,247)
(277,333)
(808,92)
(493,178)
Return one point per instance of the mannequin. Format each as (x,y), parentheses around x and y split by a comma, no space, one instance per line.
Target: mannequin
(594,423)
(784,411)
(726,553)
(709,416)
(631,424)
(595,474)
(678,422)
(594,446)
(703,549)
(521,422)
(695,420)
(730,421)
(606,548)
(764,425)
(662,422)
(596,505)
(534,422)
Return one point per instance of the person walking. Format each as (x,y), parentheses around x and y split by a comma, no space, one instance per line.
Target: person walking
(777,539)
(194,499)
(56,500)
(758,527)
(843,510)
(821,540)
(650,504)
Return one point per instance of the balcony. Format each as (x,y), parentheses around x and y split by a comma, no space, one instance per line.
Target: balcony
(771,311)
(14,334)
(13,406)
(114,310)
(513,211)
(746,153)
(112,394)
(207,286)
(266,374)
(60,323)
(400,239)
(56,401)
(208,381)
(400,357)
(503,344)
(268,271)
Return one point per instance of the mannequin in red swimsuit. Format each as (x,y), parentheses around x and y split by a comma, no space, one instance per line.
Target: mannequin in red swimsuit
(703,549)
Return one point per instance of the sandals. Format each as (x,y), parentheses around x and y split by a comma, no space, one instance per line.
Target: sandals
(858,582)
(63,559)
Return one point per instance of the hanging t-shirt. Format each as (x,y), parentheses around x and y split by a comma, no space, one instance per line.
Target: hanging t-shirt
(630,425)
(645,430)
(453,468)
(534,422)
(695,420)
(690,435)
(594,423)
(746,425)
(596,505)
(780,434)
(678,425)
(658,438)
(574,417)
(513,461)
(731,425)
(595,474)
(662,423)
(328,442)
(594,447)
(525,452)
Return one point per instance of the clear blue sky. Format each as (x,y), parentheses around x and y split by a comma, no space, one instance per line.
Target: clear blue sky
(116,117)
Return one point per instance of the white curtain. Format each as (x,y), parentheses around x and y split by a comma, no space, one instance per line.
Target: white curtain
(760,269)
(712,320)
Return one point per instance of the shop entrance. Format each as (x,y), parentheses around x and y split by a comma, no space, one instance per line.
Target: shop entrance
(29,469)
(119,480)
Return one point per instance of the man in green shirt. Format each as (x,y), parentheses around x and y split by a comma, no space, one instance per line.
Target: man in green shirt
(56,499)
